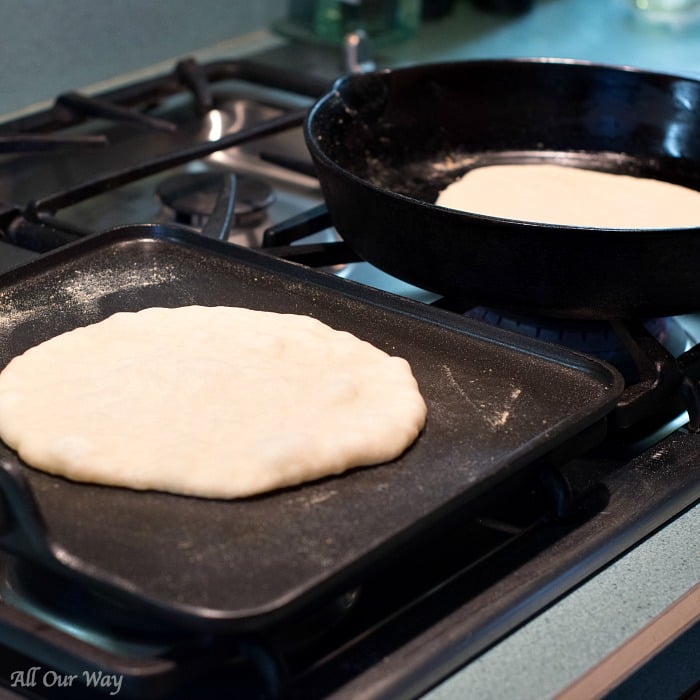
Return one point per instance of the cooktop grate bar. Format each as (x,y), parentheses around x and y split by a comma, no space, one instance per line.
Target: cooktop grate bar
(193,76)
(152,91)
(32,143)
(118,178)
(103,109)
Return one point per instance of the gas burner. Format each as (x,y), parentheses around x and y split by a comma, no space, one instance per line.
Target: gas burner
(596,338)
(192,196)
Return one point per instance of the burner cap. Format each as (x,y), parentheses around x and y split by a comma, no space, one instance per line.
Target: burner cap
(192,196)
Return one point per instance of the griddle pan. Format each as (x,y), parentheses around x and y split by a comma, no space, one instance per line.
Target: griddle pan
(496,402)
(385,144)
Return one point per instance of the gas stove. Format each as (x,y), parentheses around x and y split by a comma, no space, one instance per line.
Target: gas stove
(216,150)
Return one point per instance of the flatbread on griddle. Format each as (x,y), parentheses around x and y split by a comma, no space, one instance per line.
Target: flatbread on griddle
(218,402)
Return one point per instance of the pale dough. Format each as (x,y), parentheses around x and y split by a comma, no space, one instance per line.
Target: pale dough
(572,196)
(218,402)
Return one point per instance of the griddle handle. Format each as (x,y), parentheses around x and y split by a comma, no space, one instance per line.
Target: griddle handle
(22,528)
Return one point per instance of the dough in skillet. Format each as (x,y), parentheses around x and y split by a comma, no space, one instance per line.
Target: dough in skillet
(218,402)
(573,197)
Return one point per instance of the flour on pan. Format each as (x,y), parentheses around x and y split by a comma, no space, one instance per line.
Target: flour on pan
(87,287)
(216,402)
(81,291)
(495,413)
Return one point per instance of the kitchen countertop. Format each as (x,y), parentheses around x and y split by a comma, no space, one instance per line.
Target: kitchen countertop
(603,31)
(544,656)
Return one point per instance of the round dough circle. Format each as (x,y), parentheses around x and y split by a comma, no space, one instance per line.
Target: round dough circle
(556,194)
(219,402)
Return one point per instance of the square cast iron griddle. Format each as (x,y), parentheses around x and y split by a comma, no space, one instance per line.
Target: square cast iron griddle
(496,402)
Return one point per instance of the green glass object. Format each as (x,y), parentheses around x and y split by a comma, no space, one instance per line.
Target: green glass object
(329,21)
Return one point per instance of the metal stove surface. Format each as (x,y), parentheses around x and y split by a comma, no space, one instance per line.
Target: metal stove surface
(28,177)
(449,607)
(281,161)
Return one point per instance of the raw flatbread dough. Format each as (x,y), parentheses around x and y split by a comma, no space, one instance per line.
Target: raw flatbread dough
(573,197)
(218,402)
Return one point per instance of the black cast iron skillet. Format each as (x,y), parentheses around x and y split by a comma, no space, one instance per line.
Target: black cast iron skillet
(385,144)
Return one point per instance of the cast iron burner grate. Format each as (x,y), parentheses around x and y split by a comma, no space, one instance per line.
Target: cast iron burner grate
(595,338)
(129,115)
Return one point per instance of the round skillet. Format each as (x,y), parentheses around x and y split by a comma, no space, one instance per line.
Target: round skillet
(384,144)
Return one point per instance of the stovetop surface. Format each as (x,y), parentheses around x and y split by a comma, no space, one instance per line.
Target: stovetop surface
(642,574)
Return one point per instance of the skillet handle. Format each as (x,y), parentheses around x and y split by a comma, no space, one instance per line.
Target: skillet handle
(22,528)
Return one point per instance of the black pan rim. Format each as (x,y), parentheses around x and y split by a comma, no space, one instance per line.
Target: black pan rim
(512,225)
